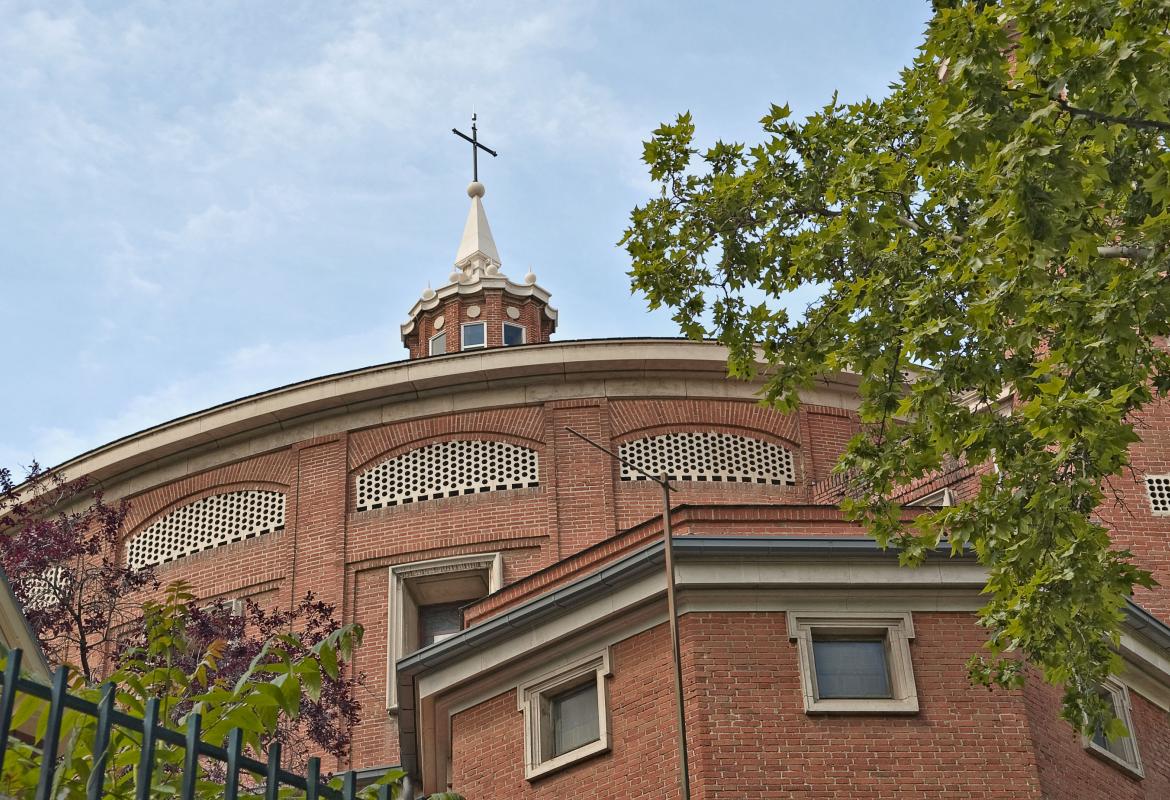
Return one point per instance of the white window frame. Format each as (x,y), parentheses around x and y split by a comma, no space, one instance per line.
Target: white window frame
(431,344)
(403,611)
(940,498)
(896,628)
(1119,694)
(532,698)
(463,339)
(503,331)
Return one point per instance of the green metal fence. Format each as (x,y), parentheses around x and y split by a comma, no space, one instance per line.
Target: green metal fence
(271,777)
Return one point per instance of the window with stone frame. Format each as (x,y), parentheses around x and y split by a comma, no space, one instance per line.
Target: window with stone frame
(474,335)
(427,600)
(566,715)
(514,334)
(855,662)
(1122,751)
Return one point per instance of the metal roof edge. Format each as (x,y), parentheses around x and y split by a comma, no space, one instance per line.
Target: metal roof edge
(629,569)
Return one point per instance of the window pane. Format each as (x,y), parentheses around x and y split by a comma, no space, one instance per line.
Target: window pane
(439,344)
(513,335)
(851,669)
(574,718)
(439,621)
(1119,747)
(473,335)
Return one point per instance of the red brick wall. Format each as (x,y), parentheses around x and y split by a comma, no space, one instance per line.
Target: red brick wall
(748,733)
(488,740)
(1067,770)
(342,555)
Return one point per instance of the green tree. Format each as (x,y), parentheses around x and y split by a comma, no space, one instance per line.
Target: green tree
(283,679)
(990,243)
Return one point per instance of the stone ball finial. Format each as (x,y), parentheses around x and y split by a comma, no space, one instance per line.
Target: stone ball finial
(492,270)
(455,275)
(428,293)
(475,189)
(530,278)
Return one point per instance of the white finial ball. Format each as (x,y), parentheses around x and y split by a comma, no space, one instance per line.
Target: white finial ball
(428,293)
(530,278)
(455,276)
(492,269)
(475,189)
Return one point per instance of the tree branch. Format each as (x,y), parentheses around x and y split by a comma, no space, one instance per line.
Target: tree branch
(1097,116)
(1104,251)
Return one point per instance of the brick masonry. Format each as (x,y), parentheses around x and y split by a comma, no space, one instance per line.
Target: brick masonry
(749,729)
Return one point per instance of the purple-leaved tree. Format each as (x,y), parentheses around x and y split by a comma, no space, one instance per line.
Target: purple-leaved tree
(61,547)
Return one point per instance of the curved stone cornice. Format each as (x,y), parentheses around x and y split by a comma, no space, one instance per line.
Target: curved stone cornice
(401,390)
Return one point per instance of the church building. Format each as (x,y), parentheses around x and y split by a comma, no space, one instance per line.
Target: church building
(489,510)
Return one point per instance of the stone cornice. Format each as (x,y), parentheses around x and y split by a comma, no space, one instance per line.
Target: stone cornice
(441,384)
(473,285)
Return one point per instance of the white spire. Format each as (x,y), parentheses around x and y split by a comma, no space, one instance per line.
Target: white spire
(477,248)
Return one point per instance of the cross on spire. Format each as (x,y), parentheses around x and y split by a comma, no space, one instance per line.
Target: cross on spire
(475,147)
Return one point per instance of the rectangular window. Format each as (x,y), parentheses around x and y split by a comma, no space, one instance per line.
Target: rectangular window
(574,718)
(855,662)
(513,334)
(438,344)
(427,600)
(1121,751)
(851,668)
(565,715)
(474,334)
(439,621)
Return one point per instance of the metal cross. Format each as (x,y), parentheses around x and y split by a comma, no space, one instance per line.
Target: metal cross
(475,147)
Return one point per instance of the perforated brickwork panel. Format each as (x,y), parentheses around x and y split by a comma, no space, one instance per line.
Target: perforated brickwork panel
(207,523)
(447,469)
(1158,489)
(709,457)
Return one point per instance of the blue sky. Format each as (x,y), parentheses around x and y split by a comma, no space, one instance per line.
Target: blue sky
(204,200)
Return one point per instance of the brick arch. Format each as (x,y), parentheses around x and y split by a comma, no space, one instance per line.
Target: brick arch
(750,457)
(267,500)
(630,417)
(414,444)
(701,427)
(277,468)
(380,483)
(521,422)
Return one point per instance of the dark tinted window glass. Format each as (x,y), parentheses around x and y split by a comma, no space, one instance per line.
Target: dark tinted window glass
(513,335)
(437,622)
(574,718)
(853,668)
(473,335)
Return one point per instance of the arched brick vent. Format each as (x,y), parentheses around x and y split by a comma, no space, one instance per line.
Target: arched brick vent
(206,523)
(447,469)
(715,457)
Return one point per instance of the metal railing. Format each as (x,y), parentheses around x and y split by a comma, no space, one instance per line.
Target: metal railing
(271,777)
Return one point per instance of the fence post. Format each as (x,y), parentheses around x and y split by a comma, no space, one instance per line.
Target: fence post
(52,736)
(235,746)
(313,779)
(101,743)
(349,786)
(8,699)
(191,756)
(146,758)
(272,788)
